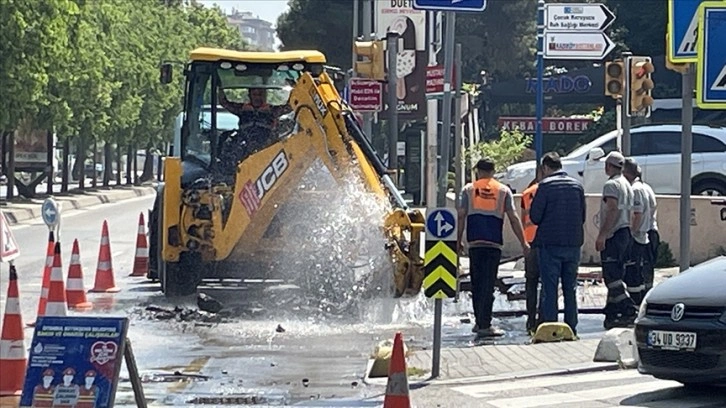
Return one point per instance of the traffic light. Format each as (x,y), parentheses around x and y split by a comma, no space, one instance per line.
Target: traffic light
(614,79)
(373,66)
(641,85)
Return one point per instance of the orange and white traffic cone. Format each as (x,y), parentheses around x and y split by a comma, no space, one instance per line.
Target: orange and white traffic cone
(12,342)
(105,282)
(141,260)
(75,290)
(46,277)
(397,387)
(56,305)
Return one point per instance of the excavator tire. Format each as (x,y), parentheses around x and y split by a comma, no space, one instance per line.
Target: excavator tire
(176,278)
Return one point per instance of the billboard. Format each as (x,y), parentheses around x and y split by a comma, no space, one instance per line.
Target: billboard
(31,147)
(399,16)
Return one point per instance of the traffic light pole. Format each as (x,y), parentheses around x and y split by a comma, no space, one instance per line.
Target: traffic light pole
(392,46)
(432,118)
(539,108)
(458,166)
(444,168)
(687,88)
(625,115)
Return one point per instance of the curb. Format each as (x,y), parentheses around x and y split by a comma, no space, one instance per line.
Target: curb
(578,369)
(14,214)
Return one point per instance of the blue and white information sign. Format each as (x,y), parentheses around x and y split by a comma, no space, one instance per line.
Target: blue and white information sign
(711,66)
(450,5)
(683,30)
(74,362)
(441,224)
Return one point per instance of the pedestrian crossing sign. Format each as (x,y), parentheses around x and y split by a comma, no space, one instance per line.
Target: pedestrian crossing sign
(8,245)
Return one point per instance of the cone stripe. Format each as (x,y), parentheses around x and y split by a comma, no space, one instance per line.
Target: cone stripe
(75,284)
(104,241)
(12,350)
(75,258)
(56,309)
(104,265)
(141,230)
(12,307)
(142,252)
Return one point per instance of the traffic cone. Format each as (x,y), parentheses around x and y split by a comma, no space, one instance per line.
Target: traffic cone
(75,291)
(141,260)
(56,305)
(397,387)
(104,271)
(46,277)
(12,342)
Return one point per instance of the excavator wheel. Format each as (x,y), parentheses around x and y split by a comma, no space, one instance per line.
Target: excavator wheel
(176,278)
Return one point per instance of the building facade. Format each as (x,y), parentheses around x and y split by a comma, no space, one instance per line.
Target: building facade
(259,33)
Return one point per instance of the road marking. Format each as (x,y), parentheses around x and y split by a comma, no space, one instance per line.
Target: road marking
(194,367)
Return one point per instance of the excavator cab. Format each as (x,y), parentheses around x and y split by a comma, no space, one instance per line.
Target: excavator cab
(253,124)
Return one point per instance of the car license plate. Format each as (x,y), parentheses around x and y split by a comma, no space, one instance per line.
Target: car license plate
(672,340)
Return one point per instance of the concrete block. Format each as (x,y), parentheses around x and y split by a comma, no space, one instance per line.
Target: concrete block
(618,346)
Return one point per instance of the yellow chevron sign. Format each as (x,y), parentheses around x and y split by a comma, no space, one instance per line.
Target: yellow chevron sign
(441,266)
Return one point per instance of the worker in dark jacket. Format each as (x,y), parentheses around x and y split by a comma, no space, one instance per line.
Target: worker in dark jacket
(558,210)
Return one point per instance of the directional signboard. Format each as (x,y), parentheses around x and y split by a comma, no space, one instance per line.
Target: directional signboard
(577,45)
(711,66)
(50,212)
(577,17)
(441,261)
(450,5)
(366,95)
(682,30)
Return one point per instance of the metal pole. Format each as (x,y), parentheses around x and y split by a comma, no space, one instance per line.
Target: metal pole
(459,167)
(446,110)
(432,118)
(625,114)
(366,30)
(687,87)
(540,77)
(392,46)
(356,33)
(444,167)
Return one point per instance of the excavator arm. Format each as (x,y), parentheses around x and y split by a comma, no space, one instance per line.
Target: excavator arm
(222,223)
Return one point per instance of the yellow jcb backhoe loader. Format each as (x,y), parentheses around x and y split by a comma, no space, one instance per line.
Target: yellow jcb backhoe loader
(235,165)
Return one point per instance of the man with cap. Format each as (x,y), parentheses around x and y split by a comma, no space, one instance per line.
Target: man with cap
(639,271)
(483,204)
(613,242)
(43,393)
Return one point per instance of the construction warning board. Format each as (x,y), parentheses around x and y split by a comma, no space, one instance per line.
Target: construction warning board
(441,261)
(8,245)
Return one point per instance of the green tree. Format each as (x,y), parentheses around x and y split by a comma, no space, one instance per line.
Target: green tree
(505,151)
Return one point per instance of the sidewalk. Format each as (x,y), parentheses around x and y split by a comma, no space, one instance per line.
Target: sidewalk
(17,212)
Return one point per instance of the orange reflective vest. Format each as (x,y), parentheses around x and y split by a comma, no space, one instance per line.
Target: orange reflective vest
(530,229)
(485,220)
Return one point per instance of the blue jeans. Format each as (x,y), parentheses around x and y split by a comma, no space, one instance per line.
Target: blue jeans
(555,263)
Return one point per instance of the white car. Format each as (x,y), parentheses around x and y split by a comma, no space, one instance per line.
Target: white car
(657,148)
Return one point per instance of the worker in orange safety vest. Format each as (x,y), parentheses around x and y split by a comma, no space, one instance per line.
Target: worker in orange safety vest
(531,267)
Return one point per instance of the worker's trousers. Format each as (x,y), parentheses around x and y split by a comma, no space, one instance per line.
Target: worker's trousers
(613,259)
(531,288)
(634,271)
(483,267)
(651,258)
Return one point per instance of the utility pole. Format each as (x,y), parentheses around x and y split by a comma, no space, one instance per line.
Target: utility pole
(687,87)
(446,122)
(392,46)
(356,34)
(432,118)
(625,115)
(458,166)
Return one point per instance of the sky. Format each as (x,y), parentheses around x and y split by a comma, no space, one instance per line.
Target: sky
(266,9)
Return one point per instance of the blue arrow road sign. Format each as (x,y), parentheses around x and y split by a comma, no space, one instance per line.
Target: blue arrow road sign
(450,5)
(711,76)
(441,224)
(49,212)
(682,30)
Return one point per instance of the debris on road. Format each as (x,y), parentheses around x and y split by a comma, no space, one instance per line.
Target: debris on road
(280,329)
(178,314)
(209,304)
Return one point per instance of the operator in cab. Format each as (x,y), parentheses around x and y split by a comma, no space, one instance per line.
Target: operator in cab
(255,113)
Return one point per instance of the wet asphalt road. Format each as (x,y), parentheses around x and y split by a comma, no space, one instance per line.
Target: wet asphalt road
(317,356)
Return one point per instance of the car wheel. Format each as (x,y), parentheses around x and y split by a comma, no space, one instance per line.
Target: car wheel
(709,188)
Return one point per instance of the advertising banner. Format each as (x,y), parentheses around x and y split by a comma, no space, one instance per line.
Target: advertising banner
(74,362)
(399,16)
(31,147)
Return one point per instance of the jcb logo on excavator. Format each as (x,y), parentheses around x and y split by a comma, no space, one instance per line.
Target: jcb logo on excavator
(272,173)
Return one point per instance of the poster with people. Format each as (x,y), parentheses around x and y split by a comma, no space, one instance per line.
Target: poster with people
(74,362)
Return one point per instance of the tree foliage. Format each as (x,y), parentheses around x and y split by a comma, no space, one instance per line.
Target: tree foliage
(505,151)
(89,68)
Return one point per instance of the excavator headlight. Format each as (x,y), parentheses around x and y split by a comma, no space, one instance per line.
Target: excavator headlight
(225,65)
